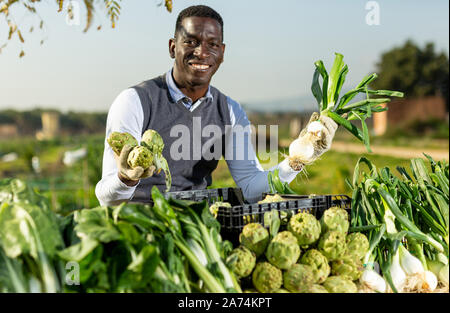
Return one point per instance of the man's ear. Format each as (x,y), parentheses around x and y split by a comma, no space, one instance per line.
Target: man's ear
(223,52)
(172,47)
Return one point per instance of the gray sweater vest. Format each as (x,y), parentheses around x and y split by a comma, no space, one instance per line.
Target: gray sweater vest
(162,113)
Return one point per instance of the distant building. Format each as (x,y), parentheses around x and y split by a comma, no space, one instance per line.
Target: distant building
(8,130)
(402,112)
(50,126)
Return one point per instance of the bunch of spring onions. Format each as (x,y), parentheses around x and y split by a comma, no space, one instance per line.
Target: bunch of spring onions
(302,151)
(339,108)
(406,219)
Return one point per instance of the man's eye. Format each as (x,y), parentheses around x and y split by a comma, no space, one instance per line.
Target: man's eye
(190,42)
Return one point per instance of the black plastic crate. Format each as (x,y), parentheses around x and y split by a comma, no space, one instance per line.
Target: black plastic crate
(233,196)
(233,220)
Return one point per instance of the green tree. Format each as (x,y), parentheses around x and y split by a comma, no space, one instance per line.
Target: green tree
(111,7)
(415,71)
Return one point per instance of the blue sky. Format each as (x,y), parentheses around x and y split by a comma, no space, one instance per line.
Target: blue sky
(271,48)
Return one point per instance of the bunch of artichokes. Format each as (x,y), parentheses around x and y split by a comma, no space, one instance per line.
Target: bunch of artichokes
(307,256)
(148,153)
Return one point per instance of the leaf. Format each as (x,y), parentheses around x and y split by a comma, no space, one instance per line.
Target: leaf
(359,88)
(315,87)
(334,77)
(323,72)
(161,163)
(272,219)
(129,232)
(340,83)
(89,14)
(349,126)
(60,5)
(78,251)
(169,5)
(94,223)
(20,36)
(26,228)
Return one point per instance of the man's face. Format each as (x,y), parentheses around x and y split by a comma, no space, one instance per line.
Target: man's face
(198,50)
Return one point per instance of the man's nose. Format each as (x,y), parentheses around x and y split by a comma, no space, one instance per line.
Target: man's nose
(201,51)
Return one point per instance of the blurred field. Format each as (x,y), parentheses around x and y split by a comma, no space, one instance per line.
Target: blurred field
(326,176)
(72,187)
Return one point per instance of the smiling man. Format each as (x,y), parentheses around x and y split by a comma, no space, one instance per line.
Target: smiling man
(185,109)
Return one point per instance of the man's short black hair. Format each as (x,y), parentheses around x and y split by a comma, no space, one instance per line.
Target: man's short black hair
(198,11)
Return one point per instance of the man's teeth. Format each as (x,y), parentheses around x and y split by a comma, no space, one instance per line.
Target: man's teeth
(200,66)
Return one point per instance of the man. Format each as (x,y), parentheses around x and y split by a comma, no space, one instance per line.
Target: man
(180,101)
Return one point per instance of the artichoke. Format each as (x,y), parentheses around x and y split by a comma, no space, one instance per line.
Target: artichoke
(335,218)
(357,245)
(118,140)
(269,199)
(332,245)
(255,237)
(340,284)
(282,290)
(298,278)
(266,277)
(241,261)
(305,227)
(251,290)
(153,141)
(214,208)
(319,264)
(140,156)
(347,266)
(283,251)
(315,288)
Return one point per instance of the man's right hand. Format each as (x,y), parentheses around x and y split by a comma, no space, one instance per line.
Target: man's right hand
(131,176)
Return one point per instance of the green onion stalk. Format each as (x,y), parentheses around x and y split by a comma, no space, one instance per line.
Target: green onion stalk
(339,108)
(413,210)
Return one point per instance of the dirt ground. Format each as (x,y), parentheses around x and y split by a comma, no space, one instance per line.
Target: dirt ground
(400,152)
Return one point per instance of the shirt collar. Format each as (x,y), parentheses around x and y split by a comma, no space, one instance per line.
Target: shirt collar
(176,93)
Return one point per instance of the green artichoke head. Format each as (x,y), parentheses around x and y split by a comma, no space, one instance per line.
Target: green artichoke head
(241,261)
(357,245)
(315,288)
(340,284)
(335,218)
(118,140)
(282,290)
(266,277)
(254,237)
(298,278)
(332,245)
(347,266)
(283,251)
(140,156)
(153,141)
(305,227)
(319,264)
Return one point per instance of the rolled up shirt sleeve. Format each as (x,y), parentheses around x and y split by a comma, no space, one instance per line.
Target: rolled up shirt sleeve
(247,172)
(124,115)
